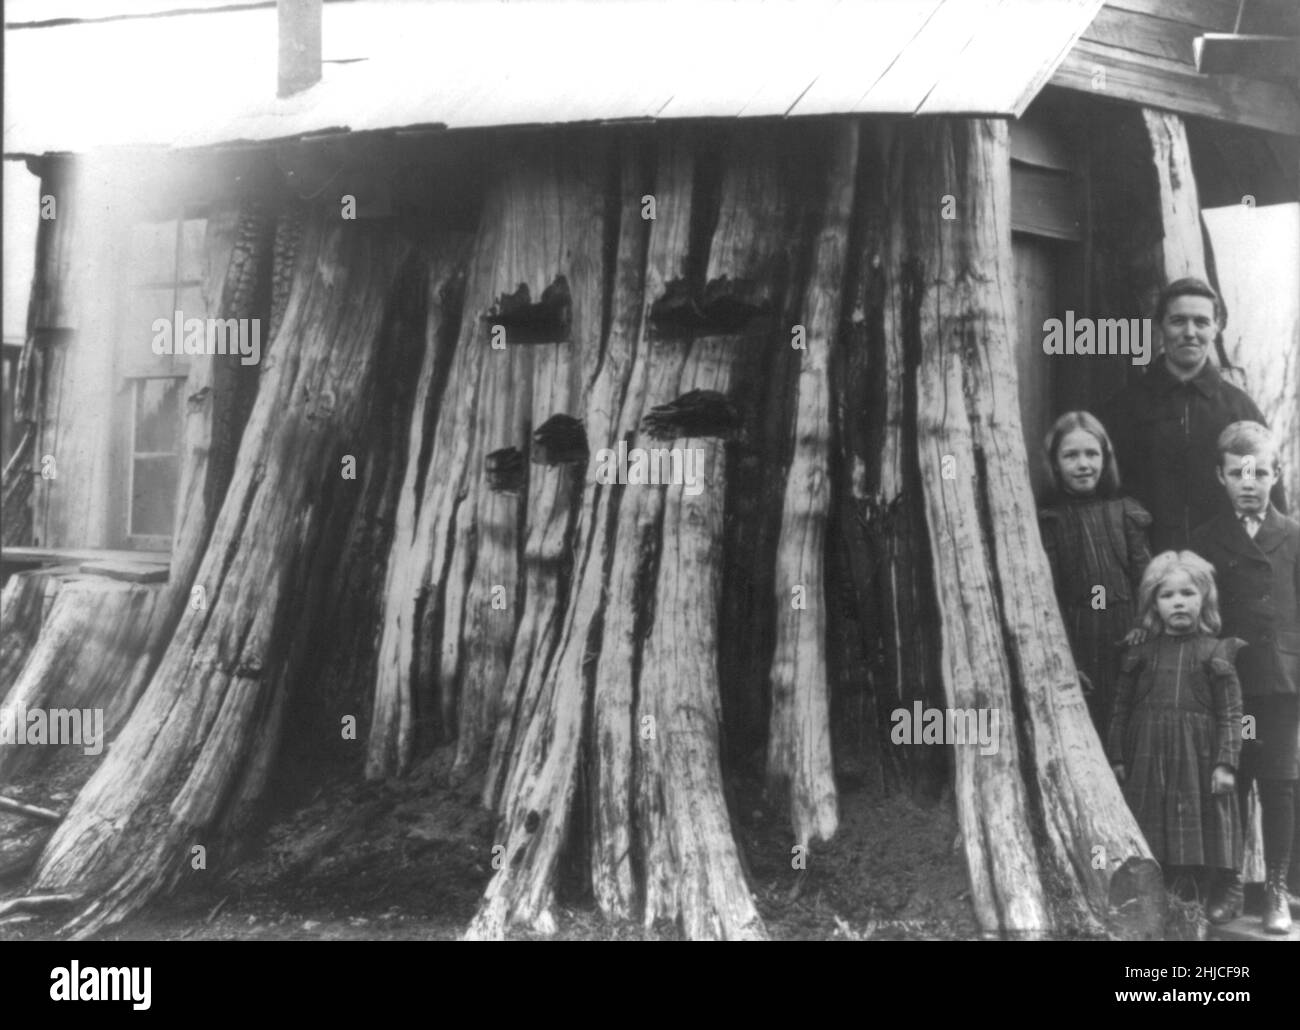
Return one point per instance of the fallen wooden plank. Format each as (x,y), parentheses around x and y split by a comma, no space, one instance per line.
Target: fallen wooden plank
(35,902)
(50,555)
(130,572)
(35,811)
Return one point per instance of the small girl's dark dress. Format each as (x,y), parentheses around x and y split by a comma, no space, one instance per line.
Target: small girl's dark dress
(1090,542)
(1177,716)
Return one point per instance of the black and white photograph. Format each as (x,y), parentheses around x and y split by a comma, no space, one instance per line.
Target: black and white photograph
(652,470)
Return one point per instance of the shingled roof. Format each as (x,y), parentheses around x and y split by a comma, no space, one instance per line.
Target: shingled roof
(207,77)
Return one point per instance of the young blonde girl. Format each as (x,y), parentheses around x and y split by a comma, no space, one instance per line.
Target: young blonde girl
(1096,546)
(1175,737)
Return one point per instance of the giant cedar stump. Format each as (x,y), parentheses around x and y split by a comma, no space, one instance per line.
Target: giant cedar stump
(636,615)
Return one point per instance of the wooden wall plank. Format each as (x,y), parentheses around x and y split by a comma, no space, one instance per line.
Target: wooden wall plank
(1173,87)
(1144,34)
(1045,203)
(1036,299)
(1213,15)
(1034,141)
(1220,15)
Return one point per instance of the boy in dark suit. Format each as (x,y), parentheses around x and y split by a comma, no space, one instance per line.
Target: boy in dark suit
(1255,552)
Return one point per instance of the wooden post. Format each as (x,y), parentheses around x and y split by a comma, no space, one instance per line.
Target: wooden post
(1182,250)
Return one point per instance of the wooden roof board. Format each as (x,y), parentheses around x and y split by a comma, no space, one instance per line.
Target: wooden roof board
(136,82)
(913,74)
(1144,33)
(857,56)
(209,78)
(28,12)
(1007,57)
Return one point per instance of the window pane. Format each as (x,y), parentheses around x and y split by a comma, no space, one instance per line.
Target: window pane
(153,253)
(158,415)
(153,495)
(148,303)
(191,301)
(192,264)
(9,429)
(135,351)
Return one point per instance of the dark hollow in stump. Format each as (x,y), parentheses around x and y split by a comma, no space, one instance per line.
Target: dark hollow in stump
(699,413)
(727,306)
(506,470)
(676,313)
(560,440)
(731,305)
(547,321)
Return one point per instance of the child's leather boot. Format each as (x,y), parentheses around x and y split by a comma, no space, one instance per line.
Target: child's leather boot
(1277,912)
(1226,899)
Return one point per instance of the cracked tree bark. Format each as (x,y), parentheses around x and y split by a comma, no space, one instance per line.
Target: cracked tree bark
(1037,812)
(799,761)
(436,484)
(179,760)
(537,804)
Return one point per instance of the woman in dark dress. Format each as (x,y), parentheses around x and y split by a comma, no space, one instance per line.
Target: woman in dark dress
(1096,546)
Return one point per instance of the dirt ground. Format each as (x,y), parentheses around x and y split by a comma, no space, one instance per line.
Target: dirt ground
(408,860)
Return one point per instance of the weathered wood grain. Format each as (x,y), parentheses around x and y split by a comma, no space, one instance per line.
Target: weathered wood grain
(171,772)
(1174,86)
(1004,643)
(799,761)
(1182,251)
